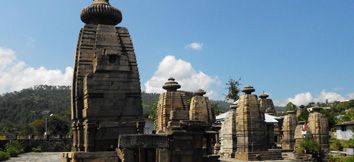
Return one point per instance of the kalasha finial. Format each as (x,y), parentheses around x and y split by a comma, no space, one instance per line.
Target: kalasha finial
(171,85)
(264,95)
(101,12)
(200,92)
(248,90)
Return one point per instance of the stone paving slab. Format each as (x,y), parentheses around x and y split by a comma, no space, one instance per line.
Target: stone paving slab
(37,157)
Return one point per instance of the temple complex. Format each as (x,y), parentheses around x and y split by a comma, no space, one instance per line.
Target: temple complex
(181,136)
(107,120)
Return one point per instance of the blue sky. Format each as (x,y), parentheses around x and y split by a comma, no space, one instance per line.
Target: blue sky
(297,51)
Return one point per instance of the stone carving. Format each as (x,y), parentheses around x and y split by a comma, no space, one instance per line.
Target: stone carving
(318,128)
(289,125)
(228,134)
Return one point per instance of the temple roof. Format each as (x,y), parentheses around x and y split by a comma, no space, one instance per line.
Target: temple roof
(171,85)
(248,90)
(101,12)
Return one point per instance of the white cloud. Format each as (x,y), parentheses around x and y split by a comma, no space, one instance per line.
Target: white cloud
(184,73)
(195,46)
(16,75)
(351,96)
(301,98)
(307,97)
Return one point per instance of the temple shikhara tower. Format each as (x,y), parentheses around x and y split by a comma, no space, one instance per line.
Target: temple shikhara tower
(289,125)
(106,95)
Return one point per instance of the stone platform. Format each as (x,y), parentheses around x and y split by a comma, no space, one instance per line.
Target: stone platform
(108,156)
(234,160)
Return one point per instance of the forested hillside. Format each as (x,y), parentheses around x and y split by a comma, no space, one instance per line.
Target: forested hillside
(27,105)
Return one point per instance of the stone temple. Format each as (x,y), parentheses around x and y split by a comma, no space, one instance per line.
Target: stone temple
(106,95)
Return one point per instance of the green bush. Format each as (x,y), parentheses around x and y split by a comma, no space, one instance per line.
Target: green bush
(12,151)
(4,155)
(335,145)
(36,149)
(311,146)
(349,159)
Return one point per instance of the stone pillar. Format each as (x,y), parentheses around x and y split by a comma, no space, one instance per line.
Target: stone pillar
(289,125)
(250,126)
(318,128)
(80,135)
(74,135)
(228,137)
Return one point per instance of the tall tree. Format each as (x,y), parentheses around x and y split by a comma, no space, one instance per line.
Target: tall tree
(233,87)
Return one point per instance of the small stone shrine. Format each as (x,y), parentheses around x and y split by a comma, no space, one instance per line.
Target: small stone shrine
(228,134)
(289,125)
(299,134)
(200,109)
(266,105)
(251,130)
(170,106)
(318,129)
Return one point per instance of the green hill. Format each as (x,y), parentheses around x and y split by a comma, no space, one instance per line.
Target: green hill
(22,107)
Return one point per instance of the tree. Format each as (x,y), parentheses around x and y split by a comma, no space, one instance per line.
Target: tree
(58,126)
(38,126)
(290,107)
(233,87)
